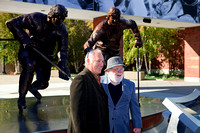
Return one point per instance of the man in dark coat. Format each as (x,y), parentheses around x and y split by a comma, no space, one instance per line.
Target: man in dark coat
(42,32)
(88,100)
(108,33)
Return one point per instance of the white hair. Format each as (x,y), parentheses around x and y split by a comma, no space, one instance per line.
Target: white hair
(91,54)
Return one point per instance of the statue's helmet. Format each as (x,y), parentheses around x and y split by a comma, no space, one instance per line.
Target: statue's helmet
(58,11)
(113,11)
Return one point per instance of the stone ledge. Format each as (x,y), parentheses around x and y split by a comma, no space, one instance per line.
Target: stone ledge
(54,73)
(127,74)
(133,75)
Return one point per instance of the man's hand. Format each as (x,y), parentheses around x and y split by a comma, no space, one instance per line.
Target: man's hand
(64,67)
(137,130)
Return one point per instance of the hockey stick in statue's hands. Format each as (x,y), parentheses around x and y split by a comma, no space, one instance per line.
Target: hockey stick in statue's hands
(59,69)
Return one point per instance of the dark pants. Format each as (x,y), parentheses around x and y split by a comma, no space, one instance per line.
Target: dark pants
(30,63)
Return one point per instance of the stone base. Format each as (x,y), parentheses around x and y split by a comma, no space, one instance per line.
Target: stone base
(133,75)
(192,79)
(54,73)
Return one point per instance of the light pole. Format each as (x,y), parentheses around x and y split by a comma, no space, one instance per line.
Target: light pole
(3,65)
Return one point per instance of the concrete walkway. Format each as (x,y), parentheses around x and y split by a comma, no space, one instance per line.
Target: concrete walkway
(150,88)
(9,87)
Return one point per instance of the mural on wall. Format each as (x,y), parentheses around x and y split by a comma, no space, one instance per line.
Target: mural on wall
(179,10)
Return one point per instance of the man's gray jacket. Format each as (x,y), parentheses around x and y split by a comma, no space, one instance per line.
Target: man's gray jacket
(119,118)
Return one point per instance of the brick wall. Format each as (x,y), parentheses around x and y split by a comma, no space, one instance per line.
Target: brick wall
(176,64)
(192,53)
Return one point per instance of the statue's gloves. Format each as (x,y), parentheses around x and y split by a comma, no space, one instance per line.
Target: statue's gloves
(88,49)
(29,45)
(63,65)
(138,40)
(138,43)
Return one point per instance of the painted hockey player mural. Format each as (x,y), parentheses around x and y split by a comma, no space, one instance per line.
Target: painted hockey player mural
(179,10)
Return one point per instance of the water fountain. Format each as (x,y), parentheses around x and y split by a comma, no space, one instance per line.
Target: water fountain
(51,115)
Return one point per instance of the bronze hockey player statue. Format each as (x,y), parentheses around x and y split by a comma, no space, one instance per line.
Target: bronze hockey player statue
(41,32)
(107,34)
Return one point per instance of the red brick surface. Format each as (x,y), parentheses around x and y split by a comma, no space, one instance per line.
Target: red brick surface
(192,52)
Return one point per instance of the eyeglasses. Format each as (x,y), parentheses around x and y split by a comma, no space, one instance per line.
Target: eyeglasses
(117,69)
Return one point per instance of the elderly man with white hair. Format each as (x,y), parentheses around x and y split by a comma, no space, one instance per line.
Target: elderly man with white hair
(121,98)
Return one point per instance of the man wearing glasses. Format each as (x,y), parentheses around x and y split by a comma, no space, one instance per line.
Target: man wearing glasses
(121,98)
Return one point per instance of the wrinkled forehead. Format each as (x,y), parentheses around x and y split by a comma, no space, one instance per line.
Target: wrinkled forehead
(98,56)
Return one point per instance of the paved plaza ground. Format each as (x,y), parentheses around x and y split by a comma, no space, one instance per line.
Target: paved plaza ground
(150,88)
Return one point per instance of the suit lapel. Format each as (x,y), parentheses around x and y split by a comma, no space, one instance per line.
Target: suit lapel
(104,82)
(94,81)
(105,86)
(123,92)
